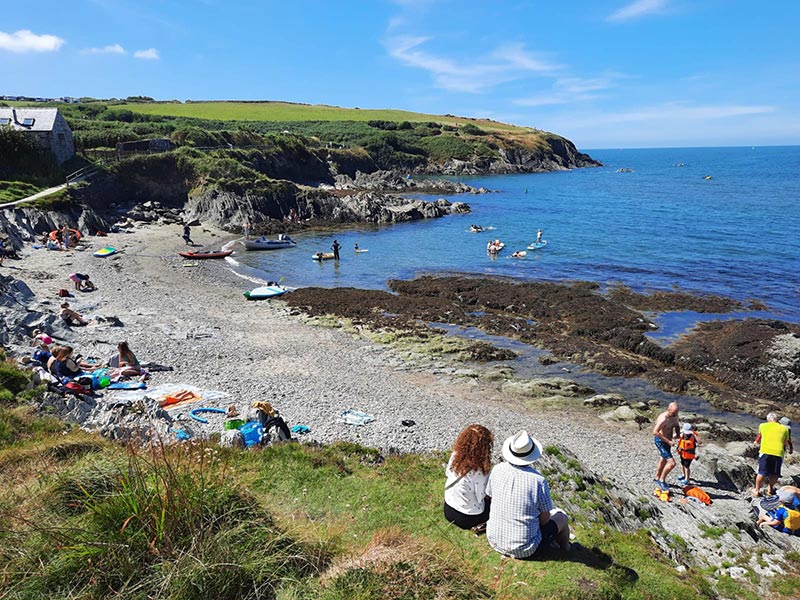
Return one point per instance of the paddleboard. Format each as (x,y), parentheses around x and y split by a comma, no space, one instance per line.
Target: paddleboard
(537,245)
(103,252)
(264,292)
(325,256)
(359,251)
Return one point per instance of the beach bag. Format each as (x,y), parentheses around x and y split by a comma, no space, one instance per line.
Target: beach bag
(76,387)
(792,520)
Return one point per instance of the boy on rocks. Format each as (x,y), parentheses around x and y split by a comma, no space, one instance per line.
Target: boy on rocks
(687,451)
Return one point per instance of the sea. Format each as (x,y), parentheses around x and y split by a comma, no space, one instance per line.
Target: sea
(722,221)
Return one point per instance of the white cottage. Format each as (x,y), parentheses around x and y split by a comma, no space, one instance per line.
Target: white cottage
(46,124)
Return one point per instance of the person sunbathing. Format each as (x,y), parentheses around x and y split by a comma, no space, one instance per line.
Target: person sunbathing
(70,317)
(128,363)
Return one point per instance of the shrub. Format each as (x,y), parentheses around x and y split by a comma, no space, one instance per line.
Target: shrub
(25,160)
(471,129)
(12,379)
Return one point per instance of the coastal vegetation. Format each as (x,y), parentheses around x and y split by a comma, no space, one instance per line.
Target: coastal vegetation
(83,517)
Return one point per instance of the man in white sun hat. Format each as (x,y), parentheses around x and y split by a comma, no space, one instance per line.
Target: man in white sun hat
(521,516)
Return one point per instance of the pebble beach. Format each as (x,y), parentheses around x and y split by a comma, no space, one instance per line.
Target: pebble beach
(195,319)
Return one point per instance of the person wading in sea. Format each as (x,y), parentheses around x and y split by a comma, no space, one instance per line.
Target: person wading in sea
(666,428)
(335,247)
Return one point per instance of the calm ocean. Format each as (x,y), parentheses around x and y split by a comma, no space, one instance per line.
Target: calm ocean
(658,227)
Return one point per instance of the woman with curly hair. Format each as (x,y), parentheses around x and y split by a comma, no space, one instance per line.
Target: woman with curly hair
(465,501)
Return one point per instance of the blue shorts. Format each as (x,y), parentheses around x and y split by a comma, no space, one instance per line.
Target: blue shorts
(769,464)
(663,447)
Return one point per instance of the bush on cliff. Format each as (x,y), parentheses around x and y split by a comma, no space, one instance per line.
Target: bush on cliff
(23,159)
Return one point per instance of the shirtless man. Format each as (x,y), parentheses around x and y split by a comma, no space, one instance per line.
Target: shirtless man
(665,429)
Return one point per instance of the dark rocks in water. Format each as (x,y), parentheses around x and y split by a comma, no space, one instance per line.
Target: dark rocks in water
(759,357)
(485,352)
(662,301)
(750,365)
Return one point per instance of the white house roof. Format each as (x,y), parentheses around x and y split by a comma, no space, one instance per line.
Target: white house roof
(41,119)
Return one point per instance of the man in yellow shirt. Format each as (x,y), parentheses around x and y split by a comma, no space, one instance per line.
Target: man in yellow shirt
(773,439)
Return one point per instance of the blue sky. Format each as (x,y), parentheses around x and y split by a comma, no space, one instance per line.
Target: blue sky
(604,73)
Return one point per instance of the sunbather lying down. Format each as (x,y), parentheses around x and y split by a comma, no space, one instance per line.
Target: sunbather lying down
(70,317)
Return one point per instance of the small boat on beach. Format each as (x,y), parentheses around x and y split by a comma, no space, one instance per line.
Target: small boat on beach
(320,256)
(537,245)
(262,243)
(206,255)
(266,291)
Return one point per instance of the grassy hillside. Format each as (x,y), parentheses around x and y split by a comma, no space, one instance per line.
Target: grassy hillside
(85,518)
(286,111)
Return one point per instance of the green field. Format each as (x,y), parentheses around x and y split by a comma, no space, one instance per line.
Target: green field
(285,111)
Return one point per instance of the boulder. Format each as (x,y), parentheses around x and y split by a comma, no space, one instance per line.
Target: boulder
(732,472)
(545,386)
(605,400)
(232,438)
(622,414)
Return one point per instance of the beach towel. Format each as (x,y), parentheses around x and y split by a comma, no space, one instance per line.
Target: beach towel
(179,398)
(355,417)
(127,385)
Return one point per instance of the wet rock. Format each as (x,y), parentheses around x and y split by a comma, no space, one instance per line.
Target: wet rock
(546,386)
(605,400)
(758,357)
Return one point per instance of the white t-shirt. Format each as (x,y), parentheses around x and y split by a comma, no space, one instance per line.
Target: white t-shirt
(465,494)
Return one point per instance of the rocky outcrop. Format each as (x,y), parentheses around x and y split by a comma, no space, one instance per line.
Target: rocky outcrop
(559,155)
(393,181)
(229,210)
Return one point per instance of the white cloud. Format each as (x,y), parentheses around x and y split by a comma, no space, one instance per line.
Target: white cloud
(395,22)
(25,40)
(149,54)
(567,90)
(506,63)
(637,9)
(670,111)
(577,85)
(110,49)
(543,100)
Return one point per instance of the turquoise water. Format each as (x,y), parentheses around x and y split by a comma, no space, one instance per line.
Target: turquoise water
(660,226)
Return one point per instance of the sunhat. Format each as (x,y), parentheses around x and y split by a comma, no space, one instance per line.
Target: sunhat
(521,449)
(785,496)
(687,428)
